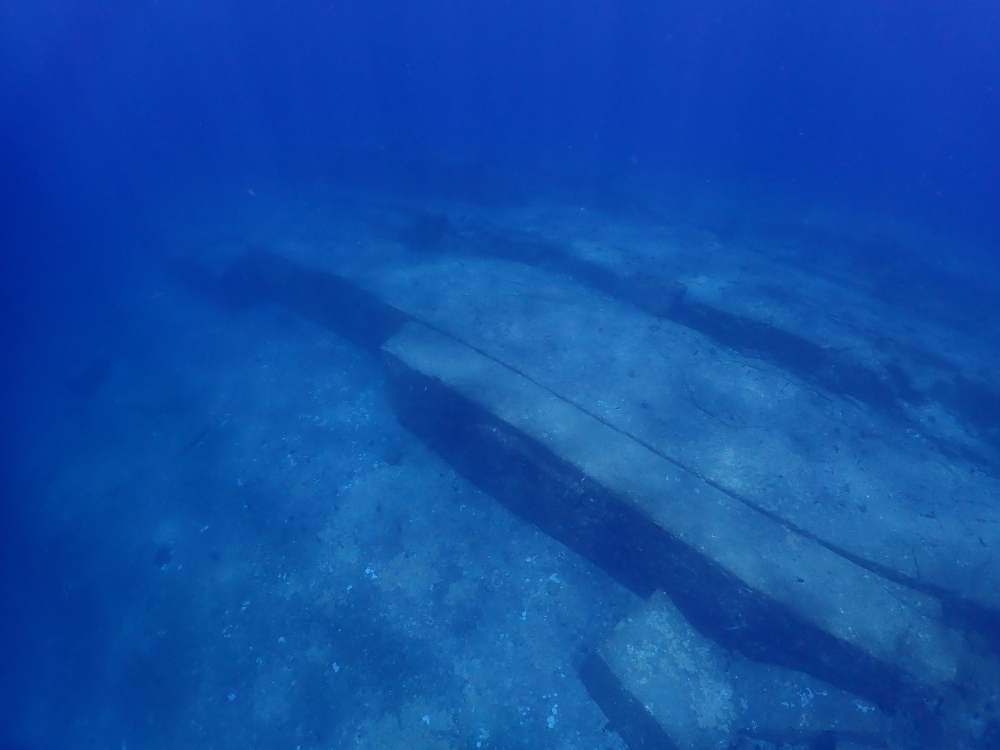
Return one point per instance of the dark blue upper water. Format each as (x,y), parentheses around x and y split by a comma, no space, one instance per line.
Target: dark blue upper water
(893,105)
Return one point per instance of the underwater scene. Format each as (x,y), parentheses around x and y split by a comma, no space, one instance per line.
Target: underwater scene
(452,375)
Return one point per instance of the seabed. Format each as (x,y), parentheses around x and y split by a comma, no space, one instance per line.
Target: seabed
(433,474)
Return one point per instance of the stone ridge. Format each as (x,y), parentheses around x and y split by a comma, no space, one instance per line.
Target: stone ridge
(727,563)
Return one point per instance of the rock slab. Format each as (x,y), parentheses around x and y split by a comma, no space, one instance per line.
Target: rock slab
(662,684)
(743,578)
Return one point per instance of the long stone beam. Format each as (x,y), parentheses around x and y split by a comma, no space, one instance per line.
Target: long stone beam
(739,575)
(830,469)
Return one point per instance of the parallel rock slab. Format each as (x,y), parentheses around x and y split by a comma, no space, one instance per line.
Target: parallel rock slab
(828,468)
(834,331)
(742,577)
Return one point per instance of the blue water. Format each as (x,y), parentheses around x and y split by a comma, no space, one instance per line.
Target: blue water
(130,132)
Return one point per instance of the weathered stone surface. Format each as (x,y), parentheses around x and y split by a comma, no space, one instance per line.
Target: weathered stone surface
(779,508)
(924,360)
(934,378)
(736,571)
(831,469)
(721,472)
(702,697)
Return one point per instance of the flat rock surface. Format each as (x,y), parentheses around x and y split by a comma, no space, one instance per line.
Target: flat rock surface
(830,468)
(922,350)
(885,620)
(703,697)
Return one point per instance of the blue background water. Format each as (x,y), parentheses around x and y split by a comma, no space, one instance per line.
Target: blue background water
(111,111)
(893,106)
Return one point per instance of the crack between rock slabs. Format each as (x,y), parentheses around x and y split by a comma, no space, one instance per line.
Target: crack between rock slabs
(882,571)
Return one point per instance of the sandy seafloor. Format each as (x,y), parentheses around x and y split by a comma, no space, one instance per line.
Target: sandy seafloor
(263,557)
(271,561)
